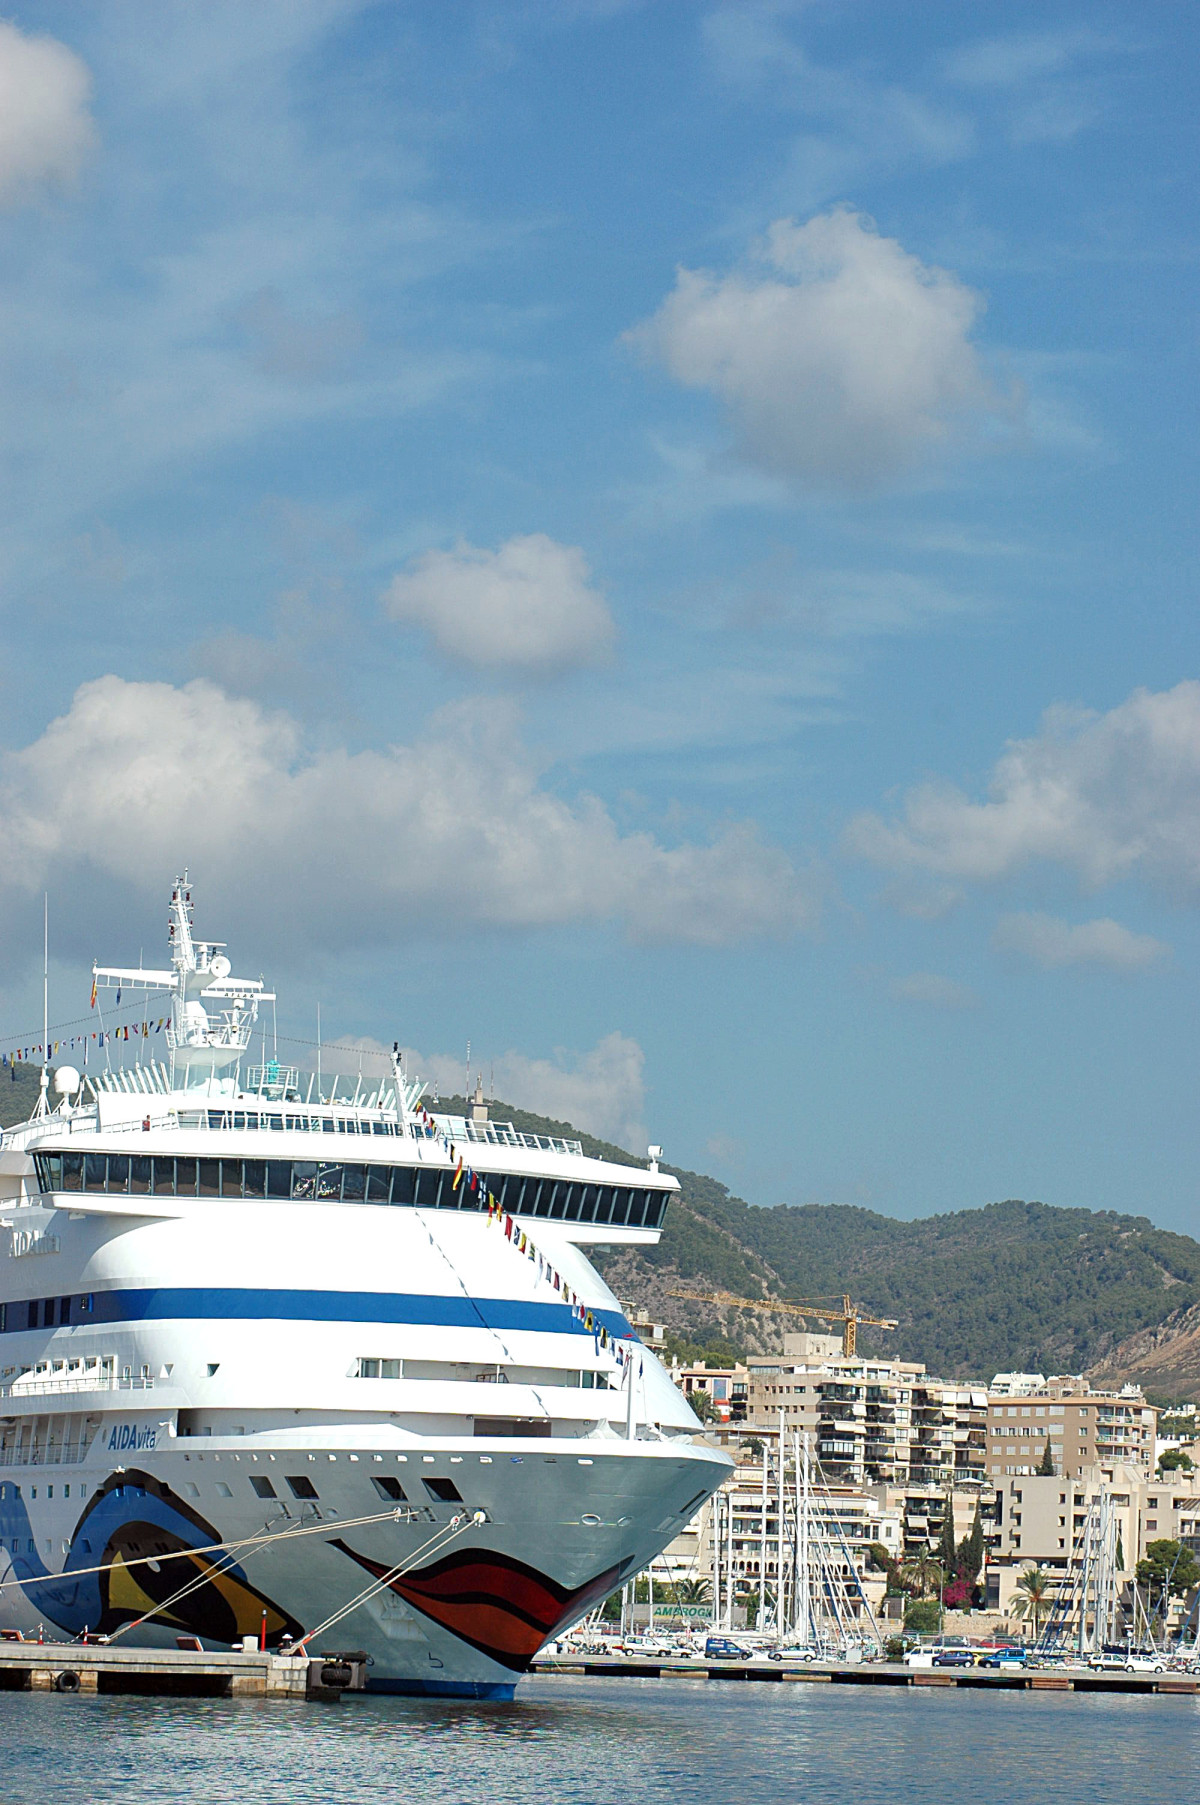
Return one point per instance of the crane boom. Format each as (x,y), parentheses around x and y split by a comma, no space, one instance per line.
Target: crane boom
(849,1315)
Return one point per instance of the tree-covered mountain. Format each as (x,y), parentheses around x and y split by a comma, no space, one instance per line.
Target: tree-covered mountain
(1012,1286)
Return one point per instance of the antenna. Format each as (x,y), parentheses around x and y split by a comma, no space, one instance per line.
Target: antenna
(43,1107)
(467,1085)
(319,1050)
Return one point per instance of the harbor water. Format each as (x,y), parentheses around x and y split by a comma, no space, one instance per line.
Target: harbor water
(573,1741)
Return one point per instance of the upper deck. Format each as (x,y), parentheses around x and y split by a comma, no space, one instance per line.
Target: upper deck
(207,1125)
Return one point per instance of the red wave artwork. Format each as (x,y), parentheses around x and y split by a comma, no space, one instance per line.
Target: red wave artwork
(497,1604)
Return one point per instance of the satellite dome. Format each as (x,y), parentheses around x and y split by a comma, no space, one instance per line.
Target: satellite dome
(67,1080)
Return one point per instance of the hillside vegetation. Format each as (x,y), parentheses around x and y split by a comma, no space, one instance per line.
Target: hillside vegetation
(1012,1286)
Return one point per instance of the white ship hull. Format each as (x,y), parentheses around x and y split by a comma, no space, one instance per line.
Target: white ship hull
(468,1606)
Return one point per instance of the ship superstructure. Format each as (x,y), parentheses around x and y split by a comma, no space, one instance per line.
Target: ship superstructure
(271,1341)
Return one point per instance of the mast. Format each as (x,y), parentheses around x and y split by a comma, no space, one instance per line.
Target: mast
(762,1546)
(779,1590)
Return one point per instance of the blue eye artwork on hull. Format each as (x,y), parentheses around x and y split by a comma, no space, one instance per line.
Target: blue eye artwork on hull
(145,1541)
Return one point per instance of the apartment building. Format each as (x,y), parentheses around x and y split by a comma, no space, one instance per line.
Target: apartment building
(871,1421)
(1039,1519)
(1083,1429)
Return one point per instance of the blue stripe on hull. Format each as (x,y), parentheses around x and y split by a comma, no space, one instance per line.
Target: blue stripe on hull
(420,1309)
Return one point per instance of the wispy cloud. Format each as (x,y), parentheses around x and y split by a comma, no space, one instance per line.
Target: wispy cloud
(930,990)
(601,1091)
(1047,941)
(1107,795)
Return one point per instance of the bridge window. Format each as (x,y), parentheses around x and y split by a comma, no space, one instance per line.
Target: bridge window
(318,1181)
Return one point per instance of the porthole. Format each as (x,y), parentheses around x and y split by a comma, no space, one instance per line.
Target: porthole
(592,1521)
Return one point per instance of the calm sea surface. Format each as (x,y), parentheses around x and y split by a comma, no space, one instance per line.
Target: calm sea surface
(636,1742)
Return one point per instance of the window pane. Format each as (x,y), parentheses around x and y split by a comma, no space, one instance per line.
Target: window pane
(118,1171)
(255,1184)
(387,1487)
(164,1177)
(620,1209)
(302,1486)
(304,1178)
(354,1183)
(279,1178)
(72,1177)
(327,1186)
(185,1177)
(402,1184)
(95,1168)
(210,1177)
(262,1485)
(139,1174)
(377,1184)
(231,1178)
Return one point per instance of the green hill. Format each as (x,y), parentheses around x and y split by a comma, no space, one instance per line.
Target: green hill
(19,1092)
(1013,1286)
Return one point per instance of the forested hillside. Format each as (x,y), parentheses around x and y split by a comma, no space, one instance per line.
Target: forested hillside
(1011,1286)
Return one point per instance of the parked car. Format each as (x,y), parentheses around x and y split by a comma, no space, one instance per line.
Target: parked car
(1139,1663)
(1108,1663)
(1000,1658)
(720,1648)
(954,1657)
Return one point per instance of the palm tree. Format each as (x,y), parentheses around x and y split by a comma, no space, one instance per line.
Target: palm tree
(924,1572)
(1034,1589)
(691,1591)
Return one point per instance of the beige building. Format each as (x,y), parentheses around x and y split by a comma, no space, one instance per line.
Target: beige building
(1083,1429)
(871,1421)
(1040,1520)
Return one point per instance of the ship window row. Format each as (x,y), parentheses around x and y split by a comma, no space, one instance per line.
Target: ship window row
(47,1312)
(280,1121)
(464,1372)
(142,1175)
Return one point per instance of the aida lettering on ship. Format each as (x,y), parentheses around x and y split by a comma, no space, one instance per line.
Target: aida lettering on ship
(244,1303)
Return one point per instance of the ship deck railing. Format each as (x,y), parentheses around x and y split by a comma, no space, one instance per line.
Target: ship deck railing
(248,1115)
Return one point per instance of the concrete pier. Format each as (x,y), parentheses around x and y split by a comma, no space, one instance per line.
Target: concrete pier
(874,1673)
(94,1667)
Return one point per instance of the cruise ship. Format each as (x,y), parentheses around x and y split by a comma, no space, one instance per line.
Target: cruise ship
(299,1358)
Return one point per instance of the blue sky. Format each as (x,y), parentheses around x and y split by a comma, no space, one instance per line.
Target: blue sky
(658,540)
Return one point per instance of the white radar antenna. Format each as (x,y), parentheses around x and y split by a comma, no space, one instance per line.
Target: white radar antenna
(212,1013)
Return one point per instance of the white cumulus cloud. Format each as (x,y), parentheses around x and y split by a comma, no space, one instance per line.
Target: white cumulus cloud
(46,129)
(453,830)
(1049,942)
(601,1091)
(1107,795)
(843,359)
(527,606)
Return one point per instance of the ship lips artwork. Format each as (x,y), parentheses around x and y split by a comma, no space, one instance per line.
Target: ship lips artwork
(497,1604)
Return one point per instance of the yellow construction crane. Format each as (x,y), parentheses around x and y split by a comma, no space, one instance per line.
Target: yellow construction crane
(849,1316)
